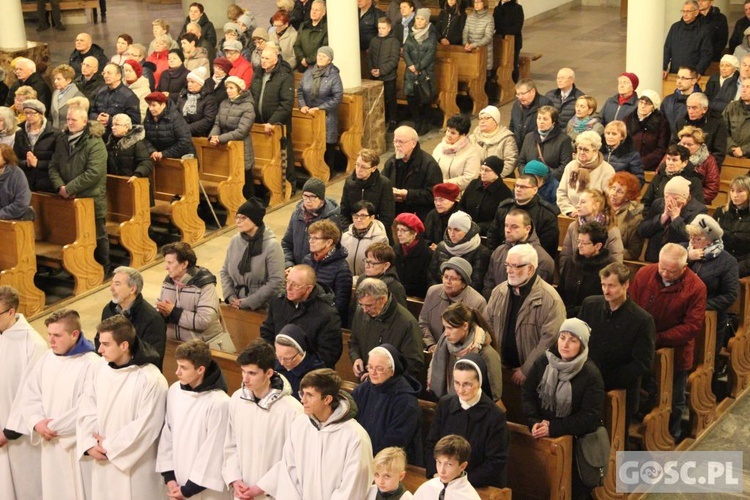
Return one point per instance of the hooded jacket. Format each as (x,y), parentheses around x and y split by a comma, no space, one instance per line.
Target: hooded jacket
(149,326)
(128,155)
(295,242)
(208,31)
(43,149)
(501,143)
(277,100)
(196,311)
(384,54)
(170,135)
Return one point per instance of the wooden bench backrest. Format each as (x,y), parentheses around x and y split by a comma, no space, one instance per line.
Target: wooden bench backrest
(222,170)
(614,421)
(503,52)
(18,264)
(243,325)
(415,477)
(471,68)
(56,218)
(344,364)
(174,178)
(446,80)
(654,430)
(563,222)
(267,170)
(702,398)
(351,121)
(128,206)
(512,398)
(309,142)
(414,305)
(739,345)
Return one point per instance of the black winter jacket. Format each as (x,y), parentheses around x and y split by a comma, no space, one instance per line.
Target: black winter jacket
(688,45)
(719,95)
(43,150)
(384,55)
(674,232)
(115,101)
(333,272)
(650,137)
(736,225)
(479,258)
(202,120)
(76,58)
(418,175)
(413,268)
(36,82)
(170,135)
(451,26)
(716,132)
(579,278)
(543,215)
(613,110)
(173,80)
(278,97)
(523,120)
(721,277)
(557,150)
(377,189)
(368,26)
(90,87)
(435,224)
(565,109)
(481,202)
(674,107)
(208,31)
(128,155)
(149,324)
(655,189)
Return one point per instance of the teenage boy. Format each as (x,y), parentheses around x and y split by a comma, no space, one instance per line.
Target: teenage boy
(384,54)
(451,458)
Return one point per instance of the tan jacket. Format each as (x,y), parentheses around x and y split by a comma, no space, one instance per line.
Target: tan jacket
(628,218)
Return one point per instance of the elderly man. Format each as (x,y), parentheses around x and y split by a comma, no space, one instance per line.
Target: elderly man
(26,74)
(381,320)
(736,116)
(413,173)
(688,43)
(167,132)
(127,299)
(676,298)
(525,313)
(740,26)
(523,114)
(717,24)
(90,81)
(309,306)
(368,22)
(674,105)
(311,35)
(564,97)
(84,47)
(699,115)
(114,99)
(519,229)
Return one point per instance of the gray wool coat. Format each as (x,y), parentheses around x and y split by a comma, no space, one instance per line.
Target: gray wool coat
(234,122)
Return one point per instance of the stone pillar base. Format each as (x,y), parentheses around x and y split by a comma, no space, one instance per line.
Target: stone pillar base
(36,51)
(374,126)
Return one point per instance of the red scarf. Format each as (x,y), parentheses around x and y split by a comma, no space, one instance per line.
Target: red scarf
(622,99)
(409,246)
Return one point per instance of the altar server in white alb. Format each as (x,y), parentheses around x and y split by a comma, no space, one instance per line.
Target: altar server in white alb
(20,348)
(260,416)
(328,454)
(191,447)
(121,415)
(49,402)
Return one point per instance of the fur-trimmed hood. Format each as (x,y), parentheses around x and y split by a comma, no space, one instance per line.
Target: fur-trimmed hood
(137,133)
(95,129)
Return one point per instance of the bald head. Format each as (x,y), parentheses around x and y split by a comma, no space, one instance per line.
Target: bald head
(89,66)
(83,42)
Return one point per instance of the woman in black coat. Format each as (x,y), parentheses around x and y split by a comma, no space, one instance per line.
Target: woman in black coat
(461,240)
(450,25)
(484,194)
(734,219)
(127,153)
(445,198)
(36,166)
(198,104)
(548,143)
(618,150)
(483,424)
(367,184)
(649,130)
(722,93)
(174,79)
(413,254)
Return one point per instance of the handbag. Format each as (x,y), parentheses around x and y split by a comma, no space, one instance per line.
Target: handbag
(592,457)
(423,88)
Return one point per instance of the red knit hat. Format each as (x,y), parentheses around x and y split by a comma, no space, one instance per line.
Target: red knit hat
(137,69)
(411,221)
(156,96)
(446,190)
(633,79)
(224,63)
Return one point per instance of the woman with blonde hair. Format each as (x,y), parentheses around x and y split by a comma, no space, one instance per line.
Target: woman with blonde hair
(585,118)
(8,126)
(694,139)
(619,152)
(23,93)
(734,219)
(587,170)
(160,27)
(62,79)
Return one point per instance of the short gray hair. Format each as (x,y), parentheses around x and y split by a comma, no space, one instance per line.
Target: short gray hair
(320,2)
(526,252)
(134,277)
(122,119)
(372,287)
(28,63)
(413,135)
(140,48)
(10,122)
(591,138)
(702,99)
(674,252)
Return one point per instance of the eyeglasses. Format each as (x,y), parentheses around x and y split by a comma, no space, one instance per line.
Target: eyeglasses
(521,94)
(377,369)
(372,263)
(30,112)
(368,307)
(287,360)
(305,395)
(515,267)
(360,216)
(399,142)
(451,279)
(8,309)
(584,150)
(309,197)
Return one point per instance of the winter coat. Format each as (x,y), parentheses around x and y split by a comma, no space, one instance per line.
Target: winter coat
(628,217)
(688,45)
(300,13)
(556,151)
(377,189)
(170,135)
(418,175)
(568,193)
(485,427)
(90,87)
(196,313)
(37,82)
(160,61)
(678,310)
(219,92)
(721,94)
(579,278)
(368,27)
(309,39)
(200,122)
(15,195)
(715,130)
(278,97)
(594,123)
(262,282)
(234,121)
(333,272)
(674,232)
(737,119)
(501,143)
(384,54)
(128,155)
(459,167)
(422,57)
(357,247)
(115,101)
(435,224)
(399,28)
(710,178)
(330,94)
(451,26)
(523,119)
(242,69)
(543,217)
(655,189)
(316,316)
(412,268)
(674,106)
(479,259)
(436,302)
(149,324)
(173,80)
(720,274)
(566,109)
(286,44)
(496,272)
(613,110)
(736,225)
(208,31)
(624,158)
(481,202)
(76,58)
(83,171)
(650,137)
(718,27)
(43,149)
(295,243)
(738,33)
(479,30)
(199,59)
(58,111)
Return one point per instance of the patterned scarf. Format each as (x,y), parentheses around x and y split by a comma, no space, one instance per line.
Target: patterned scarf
(555,391)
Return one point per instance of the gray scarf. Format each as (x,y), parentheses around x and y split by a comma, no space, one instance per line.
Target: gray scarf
(700,156)
(443,360)
(471,242)
(317,74)
(421,35)
(191,104)
(555,391)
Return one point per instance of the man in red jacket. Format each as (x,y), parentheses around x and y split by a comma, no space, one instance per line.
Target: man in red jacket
(676,297)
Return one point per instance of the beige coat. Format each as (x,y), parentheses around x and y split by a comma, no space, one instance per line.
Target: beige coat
(460,168)
(286,43)
(628,218)
(567,194)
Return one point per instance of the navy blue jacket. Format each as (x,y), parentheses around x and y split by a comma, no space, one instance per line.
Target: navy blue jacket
(333,272)
(115,101)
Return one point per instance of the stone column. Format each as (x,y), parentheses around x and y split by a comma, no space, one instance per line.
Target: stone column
(343,37)
(645,40)
(13,33)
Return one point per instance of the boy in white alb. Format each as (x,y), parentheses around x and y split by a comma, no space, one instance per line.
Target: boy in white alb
(121,415)
(390,469)
(451,458)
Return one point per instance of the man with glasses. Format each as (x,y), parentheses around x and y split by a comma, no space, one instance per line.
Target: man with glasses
(115,98)
(688,43)
(674,106)
(523,114)
(699,115)
(309,306)
(366,183)
(525,313)
(379,319)
(738,126)
(380,263)
(89,81)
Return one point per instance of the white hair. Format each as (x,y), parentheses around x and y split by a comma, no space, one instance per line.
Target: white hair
(527,253)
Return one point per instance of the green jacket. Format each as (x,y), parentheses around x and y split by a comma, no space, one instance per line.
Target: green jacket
(309,39)
(83,171)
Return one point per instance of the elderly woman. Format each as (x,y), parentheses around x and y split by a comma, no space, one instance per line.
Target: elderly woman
(587,170)
(743,49)
(593,206)
(479,30)
(167,132)
(23,93)
(619,152)
(462,240)
(260,37)
(15,195)
(321,89)
(62,79)
(160,56)
(253,269)
(413,254)
(128,154)
(234,121)
(174,79)
(483,195)
(132,73)
(380,263)
(473,414)
(222,67)
(366,183)
(445,197)
(159,28)
(188,299)
(8,126)
(649,129)
(121,46)
(734,219)
(361,234)
(312,34)
(495,139)
(232,31)
(546,144)
(585,118)
(564,392)
(451,21)
(694,140)
(197,103)
(294,359)
(419,54)
(328,258)
(624,102)
(623,193)
(457,157)
(721,88)
(456,274)
(387,405)
(35,145)
(284,35)
(313,207)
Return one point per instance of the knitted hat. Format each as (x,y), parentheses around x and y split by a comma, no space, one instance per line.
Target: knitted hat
(729,58)
(535,167)
(294,334)
(411,221)
(652,96)
(135,65)
(223,63)
(495,163)
(235,80)
(328,51)
(577,327)
(460,220)
(461,266)
(246,19)
(633,79)
(315,186)
(199,75)
(235,45)
(678,185)
(492,112)
(254,210)
(34,104)
(424,13)
(230,26)
(446,190)
(708,226)
(260,33)
(396,358)
(179,54)
(156,97)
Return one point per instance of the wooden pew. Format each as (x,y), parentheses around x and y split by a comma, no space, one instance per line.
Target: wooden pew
(614,421)
(502,55)
(472,70)
(129,217)
(344,364)
(18,264)
(653,432)
(221,169)
(414,305)
(227,362)
(268,169)
(351,120)
(563,222)
(415,477)
(65,233)
(89,6)
(512,398)
(309,141)
(524,63)
(739,346)
(446,81)
(243,325)
(176,193)
(701,397)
